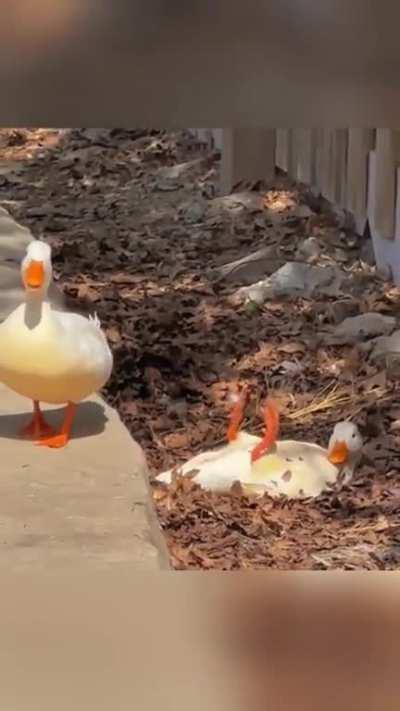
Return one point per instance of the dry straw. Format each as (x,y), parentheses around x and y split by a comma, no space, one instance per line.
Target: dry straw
(331,399)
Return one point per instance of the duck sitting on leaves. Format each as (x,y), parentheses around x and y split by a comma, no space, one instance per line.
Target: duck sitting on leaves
(277,467)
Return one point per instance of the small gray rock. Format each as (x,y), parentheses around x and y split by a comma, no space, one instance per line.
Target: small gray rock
(359,328)
(257,293)
(166,184)
(309,249)
(385,346)
(193,212)
(300,279)
(249,269)
(293,280)
(341,255)
(237,202)
(302,212)
(340,310)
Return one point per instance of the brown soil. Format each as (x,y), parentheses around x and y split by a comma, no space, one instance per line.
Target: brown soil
(137,234)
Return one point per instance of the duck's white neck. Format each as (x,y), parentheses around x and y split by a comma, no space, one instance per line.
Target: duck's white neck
(347,470)
(36,305)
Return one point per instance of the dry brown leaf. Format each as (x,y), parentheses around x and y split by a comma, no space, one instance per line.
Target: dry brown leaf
(113,334)
(176,440)
(291,348)
(87,293)
(131,408)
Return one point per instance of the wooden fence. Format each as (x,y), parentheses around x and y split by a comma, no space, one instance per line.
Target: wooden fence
(356,169)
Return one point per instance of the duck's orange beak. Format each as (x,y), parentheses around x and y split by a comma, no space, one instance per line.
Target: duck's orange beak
(34,275)
(339,453)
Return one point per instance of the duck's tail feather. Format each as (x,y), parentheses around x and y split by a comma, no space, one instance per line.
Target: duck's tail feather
(95,320)
(164,477)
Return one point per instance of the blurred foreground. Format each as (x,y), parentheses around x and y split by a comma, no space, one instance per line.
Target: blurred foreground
(278,641)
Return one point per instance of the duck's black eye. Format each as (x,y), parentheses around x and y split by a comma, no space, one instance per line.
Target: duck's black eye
(353,435)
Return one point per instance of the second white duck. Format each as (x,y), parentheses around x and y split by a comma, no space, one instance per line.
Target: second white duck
(277,467)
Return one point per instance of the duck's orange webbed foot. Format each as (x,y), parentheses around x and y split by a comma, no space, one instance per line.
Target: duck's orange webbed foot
(56,441)
(237,414)
(271,420)
(37,428)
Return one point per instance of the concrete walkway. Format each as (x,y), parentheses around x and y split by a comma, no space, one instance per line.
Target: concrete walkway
(86,505)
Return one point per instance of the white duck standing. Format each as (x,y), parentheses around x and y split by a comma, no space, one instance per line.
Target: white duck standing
(48,355)
(278,467)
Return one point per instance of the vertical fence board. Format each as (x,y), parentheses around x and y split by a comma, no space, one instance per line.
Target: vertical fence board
(209,136)
(397,216)
(319,159)
(217,135)
(328,168)
(314,159)
(313,156)
(227,167)
(371,194)
(247,155)
(340,164)
(296,149)
(281,151)
(385,183)
(361,142)
(387,251)
(304,154)
(291,153)
(323,161)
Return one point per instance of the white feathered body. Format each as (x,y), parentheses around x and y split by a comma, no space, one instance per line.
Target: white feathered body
(294,469)
(53,356)
(218,469)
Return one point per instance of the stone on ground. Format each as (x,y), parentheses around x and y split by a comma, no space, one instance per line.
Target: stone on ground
(294,280)
(359,328)
(249,269)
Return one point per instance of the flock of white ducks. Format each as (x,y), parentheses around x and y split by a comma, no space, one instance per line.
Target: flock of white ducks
(56,357)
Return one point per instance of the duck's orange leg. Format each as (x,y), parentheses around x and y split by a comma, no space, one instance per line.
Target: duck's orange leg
(37,427)
(271,420)
(61,439)
(237,414)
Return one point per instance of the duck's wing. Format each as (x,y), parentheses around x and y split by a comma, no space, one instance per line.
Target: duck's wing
(268,474)
(76,325)
(83,338)
(218,469)
(193,465)
(295,469)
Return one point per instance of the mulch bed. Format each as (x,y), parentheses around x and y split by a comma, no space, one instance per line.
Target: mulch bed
(138,233)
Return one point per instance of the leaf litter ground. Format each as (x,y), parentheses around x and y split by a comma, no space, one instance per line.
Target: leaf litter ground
(140,236)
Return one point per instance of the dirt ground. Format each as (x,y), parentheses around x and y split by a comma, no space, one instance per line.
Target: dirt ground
(139,235)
